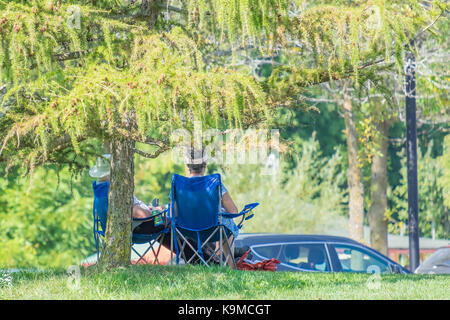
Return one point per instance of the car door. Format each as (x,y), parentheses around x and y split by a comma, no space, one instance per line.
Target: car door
(297,256)
(352,258)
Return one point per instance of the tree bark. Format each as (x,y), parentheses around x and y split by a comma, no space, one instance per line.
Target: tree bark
(378,191)
(355,186)
(117,247)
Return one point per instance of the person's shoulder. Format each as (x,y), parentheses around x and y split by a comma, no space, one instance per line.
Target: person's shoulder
(137,201)
(223,188)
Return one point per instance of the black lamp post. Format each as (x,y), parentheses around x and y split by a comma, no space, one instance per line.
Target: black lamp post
(411,154)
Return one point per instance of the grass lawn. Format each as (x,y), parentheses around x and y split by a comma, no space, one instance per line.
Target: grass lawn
(197,282)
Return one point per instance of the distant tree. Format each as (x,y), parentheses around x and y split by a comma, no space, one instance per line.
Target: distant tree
(386,107)
(45,224)
(368,101)
(444,179)
(434,212)
(307,198)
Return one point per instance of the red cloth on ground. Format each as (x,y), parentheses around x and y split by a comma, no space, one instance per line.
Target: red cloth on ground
(266,265)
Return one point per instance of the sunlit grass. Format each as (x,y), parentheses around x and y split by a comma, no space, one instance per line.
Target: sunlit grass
(196,282)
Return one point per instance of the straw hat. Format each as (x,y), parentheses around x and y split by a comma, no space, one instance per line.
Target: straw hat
(101,168)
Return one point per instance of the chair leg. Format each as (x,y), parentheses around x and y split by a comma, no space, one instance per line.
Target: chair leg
(230,251)
(160,240)
(99,247)
(136,253)
(221,247)
(182,241)
(154,253)
(185,241)
(183,253)
(224,257)
(141,257)
(216,253)
(171,244)
(181,246)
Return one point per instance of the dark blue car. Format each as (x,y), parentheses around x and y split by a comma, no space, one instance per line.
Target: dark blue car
(316,253)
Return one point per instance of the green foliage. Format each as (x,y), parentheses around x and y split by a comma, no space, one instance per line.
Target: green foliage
(153,177)
(338,39)
(368,136)
(432,207)
(124,72)
(45,222)
(444,178)
(68,90)
(47,218)
(165,87)
(306,199)
(89,81)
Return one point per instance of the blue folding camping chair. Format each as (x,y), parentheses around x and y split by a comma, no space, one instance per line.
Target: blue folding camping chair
(100,217)
(197,217)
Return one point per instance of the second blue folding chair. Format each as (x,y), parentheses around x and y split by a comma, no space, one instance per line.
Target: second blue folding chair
(197,217)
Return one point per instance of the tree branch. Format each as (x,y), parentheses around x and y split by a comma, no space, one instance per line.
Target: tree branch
(70,55)
(152,155)
(428,26)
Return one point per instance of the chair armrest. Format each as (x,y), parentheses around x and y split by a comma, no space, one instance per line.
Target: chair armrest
(232,215)
(247,209)
(151,217)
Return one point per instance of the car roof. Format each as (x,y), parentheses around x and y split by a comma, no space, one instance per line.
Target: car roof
(256,238)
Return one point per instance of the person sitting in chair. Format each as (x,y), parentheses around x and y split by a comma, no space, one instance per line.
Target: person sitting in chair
(196,162)
(101,171)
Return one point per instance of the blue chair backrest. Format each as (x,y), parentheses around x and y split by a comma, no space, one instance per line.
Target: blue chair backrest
(198,201)
(101,202)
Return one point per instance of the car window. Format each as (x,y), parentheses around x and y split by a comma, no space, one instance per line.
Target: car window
(267,252)
(306,256)
(354,259)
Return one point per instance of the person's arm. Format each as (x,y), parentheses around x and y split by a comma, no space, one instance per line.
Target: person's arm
(228,203)
(140,213)
(141,210)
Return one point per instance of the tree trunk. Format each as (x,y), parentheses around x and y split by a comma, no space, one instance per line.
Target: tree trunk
(378,191)
(355,186)
(117,247)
